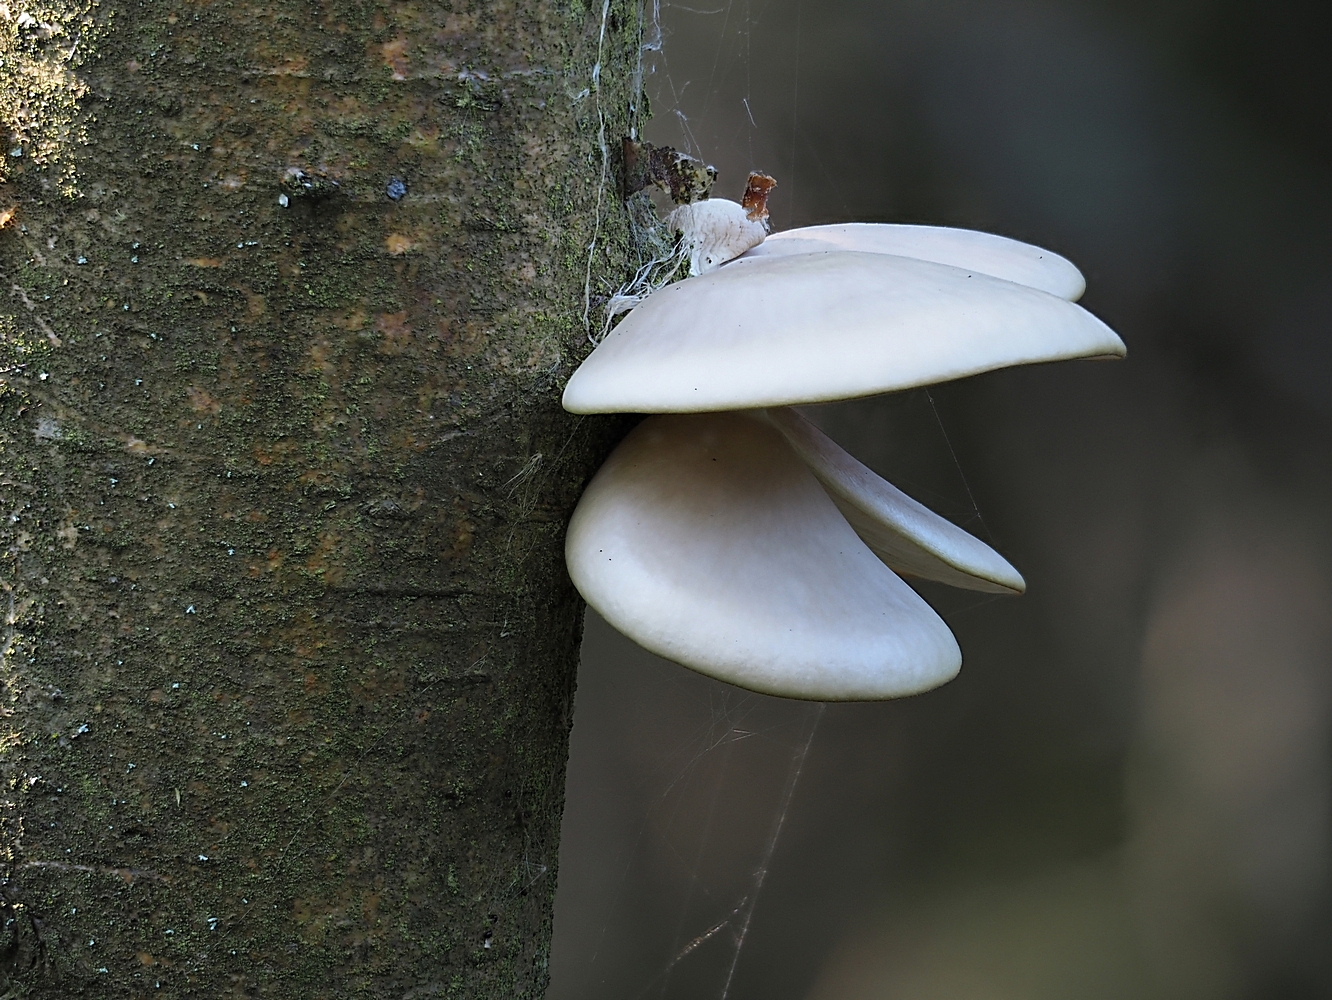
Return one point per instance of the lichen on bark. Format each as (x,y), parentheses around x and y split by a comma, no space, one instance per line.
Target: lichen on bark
(288,642)
(42,45)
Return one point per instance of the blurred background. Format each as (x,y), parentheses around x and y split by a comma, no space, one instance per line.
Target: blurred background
(1126,792)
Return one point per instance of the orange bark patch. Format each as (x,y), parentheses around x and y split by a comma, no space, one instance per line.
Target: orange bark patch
(424,139)
(398,244)
(318,477)
(293,66)
(322,561)
(407,439)
(319,356)
(254,304)
(201,401)
(370,906)
(465,340)
(271,562)
(462,540)
(755,200)
(307,639)
(270,453)
(354,320)
(395,331)
(203,261)
(395,57)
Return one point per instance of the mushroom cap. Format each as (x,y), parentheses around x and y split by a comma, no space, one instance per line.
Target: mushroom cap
(808,328)
(707,541)
(997,256)
(906,535)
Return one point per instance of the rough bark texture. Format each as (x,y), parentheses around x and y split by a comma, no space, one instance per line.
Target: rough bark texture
(288,642)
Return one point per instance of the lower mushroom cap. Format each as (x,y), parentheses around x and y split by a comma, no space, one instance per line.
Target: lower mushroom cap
(706,540)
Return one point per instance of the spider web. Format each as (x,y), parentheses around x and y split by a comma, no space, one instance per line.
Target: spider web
(699,789)
(724,82)
(684,790)
(703,815)
(766,741)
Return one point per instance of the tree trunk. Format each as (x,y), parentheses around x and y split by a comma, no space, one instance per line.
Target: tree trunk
(289,646)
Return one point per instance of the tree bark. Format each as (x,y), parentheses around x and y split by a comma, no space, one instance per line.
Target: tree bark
(291,292)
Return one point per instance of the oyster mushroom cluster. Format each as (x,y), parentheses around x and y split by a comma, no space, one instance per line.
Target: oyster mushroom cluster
(726,532)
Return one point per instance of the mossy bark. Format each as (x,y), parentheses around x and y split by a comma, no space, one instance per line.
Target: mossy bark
(288,642)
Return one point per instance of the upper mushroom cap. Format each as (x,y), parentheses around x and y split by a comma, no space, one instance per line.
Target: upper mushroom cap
(706,540)
(815,327)
(968,249)
(906,535)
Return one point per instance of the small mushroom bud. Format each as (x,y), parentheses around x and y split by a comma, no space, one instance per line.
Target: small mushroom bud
(715,231)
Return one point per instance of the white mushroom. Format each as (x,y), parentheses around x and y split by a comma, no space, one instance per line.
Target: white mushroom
(906,535)
(744,545)
(814,327)
(996,256)
(715,231)
(706,540)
